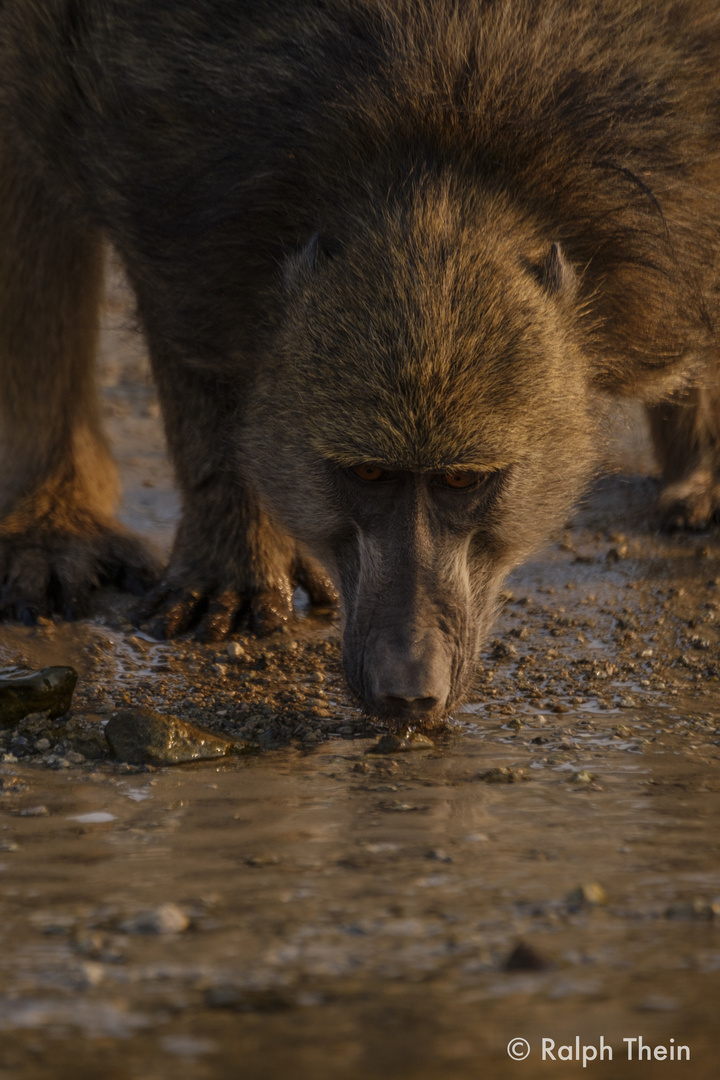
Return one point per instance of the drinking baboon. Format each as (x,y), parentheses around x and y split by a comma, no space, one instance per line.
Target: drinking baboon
(386,254)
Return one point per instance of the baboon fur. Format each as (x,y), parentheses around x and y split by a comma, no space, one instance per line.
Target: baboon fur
(418,235)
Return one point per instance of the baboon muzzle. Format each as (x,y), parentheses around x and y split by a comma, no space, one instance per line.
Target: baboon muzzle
(408,679)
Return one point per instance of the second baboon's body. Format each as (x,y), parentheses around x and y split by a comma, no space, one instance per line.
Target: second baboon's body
(421,236)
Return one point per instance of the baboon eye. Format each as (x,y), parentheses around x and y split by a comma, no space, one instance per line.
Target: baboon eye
(369,472)
(461,478)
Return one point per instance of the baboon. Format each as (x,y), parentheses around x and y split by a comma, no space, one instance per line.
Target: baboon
(387,255)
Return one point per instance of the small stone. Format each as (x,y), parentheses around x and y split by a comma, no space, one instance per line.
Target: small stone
(699,910)
(11,785)
(47,690)
(144,737)
(75,757)
(393,744)
(502,775)
(9,845)
(438,855)
(588,895)
(398,807)
(166,919)
(42,745)
(35,811)
(219,669)
(582,777)
(235,651)
(526,957)
(264,859)
(502,650)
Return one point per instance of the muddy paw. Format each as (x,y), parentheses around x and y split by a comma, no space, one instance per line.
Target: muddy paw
(46,573)
(690,504)
(176,605)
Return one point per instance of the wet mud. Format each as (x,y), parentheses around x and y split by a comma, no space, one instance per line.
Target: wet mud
(344,902)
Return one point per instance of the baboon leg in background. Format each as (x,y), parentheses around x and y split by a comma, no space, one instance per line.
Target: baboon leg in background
(58,485)
(686,437)
(230,560)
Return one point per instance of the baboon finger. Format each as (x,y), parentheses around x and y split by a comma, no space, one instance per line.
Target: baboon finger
(270,609)
(317,585)
(221,616)
(179,612)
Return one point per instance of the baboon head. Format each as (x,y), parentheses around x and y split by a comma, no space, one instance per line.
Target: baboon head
(423,426)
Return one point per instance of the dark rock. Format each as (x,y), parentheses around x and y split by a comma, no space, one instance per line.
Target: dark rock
(144,737)
(48,690)
(526,957)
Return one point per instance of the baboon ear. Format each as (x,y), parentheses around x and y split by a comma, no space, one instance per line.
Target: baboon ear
(556,275)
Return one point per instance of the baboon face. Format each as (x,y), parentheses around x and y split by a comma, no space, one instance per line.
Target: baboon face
(419,573)
(424,425)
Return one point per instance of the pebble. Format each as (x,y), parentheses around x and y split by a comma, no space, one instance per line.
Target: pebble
(526,957)
(502,775)
(166,919)
(582,777)
(235,651)
(587,895)
(392,744)
(398,807)
(144,737)
(701,910)
(11,785)
(438,855)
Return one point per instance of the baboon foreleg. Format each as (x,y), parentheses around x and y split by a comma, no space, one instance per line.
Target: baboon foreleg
(58,486)
(230,561)
(686,438)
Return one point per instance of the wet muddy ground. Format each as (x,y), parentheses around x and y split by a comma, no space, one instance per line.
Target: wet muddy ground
(325,905)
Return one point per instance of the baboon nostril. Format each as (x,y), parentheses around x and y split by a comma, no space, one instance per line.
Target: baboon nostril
(418,706)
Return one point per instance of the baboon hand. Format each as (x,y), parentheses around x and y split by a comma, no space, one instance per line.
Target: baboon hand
(214,610)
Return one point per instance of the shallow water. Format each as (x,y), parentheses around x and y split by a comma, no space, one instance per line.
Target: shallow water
(351,914)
